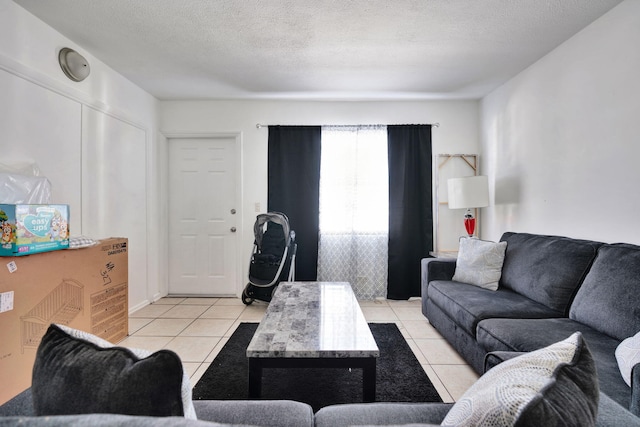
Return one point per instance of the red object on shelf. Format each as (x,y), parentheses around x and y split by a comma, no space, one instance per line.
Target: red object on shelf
(470,225)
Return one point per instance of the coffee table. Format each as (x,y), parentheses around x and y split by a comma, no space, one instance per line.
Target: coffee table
(313,325)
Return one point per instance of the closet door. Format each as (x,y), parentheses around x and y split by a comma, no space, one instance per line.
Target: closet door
(114,190)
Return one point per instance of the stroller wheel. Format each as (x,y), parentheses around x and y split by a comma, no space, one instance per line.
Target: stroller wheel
(246,299)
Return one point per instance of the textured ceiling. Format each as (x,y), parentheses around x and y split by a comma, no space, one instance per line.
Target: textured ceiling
(318,49)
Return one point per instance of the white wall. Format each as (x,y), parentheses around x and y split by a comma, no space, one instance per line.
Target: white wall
(561,143)
(94,140)
(458,133)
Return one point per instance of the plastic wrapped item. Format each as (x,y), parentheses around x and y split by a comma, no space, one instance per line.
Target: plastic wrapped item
(23,185)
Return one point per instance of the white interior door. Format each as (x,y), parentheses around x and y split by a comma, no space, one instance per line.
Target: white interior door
(202,216)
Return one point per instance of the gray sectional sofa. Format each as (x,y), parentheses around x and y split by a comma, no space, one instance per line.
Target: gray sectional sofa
(550,287)
(19,412)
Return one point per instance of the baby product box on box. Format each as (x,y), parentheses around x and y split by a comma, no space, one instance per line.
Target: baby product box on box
(30,229)
(84,289)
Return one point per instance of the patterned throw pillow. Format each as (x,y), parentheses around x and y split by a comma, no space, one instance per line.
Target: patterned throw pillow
(556,385)
(628,355)
(76,372)
(480,262)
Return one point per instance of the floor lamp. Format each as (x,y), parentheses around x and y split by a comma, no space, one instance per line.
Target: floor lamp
(467,193)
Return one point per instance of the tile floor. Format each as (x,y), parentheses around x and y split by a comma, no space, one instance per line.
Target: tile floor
(197,328)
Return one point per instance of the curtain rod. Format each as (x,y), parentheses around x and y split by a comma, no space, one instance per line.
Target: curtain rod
(259,126)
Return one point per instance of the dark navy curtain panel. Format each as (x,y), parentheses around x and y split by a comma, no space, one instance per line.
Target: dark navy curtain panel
(294,188)
(410,207)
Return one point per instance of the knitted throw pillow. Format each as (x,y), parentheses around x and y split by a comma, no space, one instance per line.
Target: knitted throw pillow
(556,385)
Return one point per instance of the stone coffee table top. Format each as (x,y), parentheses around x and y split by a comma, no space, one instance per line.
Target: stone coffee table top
(313,320)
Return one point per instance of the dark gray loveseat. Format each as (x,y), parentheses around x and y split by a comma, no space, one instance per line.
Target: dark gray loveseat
(550,287)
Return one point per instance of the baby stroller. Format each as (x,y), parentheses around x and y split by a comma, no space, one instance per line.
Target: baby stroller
(273,258)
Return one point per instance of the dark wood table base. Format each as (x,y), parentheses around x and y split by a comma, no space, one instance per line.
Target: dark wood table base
(367,364)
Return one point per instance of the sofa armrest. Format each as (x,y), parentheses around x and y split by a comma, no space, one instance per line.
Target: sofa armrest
(269,413)
(434,269)
(634,407)
(437,269)
(496,357)
(20,405)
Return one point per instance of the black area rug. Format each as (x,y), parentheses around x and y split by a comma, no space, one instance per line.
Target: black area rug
(400,378)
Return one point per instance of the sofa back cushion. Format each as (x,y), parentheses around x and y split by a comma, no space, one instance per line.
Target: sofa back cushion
(546,269)
(609,299)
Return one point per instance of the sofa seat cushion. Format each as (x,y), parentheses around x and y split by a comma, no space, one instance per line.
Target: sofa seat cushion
(532,334)
(265,413)
(547,269)
(609,298)
(382,414)
(469,304)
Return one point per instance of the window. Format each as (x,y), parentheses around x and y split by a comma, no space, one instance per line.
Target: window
(354,208)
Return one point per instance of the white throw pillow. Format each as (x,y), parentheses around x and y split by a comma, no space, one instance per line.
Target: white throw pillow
(187,403)
(628,355)
(480,262)
(552,386)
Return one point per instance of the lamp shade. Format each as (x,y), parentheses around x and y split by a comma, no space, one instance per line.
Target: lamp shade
(468,192)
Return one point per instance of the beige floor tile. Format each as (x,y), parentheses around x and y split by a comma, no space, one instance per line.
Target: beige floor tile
(416,351)
(190,368)
(456,378)
(408,313)
(152,311)
(439,352)
(373,314)
(420,329)
(216,350)
(198,374)
(207,328)
(200,301)
(223,312)
(185,311)
(411,302)
(253,313)
(192,349)
(230,301)
(135,324)
(235,326)
(372,303)
(164,327)
(170,300)
(440,388)
(147,343)
(401,327)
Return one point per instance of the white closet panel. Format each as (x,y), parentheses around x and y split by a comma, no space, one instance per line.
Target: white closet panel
(41,126)
(114,190)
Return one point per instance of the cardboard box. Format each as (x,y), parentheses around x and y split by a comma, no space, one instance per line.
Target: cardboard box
(30,229)
(85,289)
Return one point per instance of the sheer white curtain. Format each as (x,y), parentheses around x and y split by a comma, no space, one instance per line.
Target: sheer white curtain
(354,208)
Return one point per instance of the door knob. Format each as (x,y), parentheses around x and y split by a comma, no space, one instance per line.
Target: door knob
(233,229)
(233,211)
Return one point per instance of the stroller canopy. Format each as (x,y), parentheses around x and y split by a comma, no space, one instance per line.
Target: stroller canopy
(274,217)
